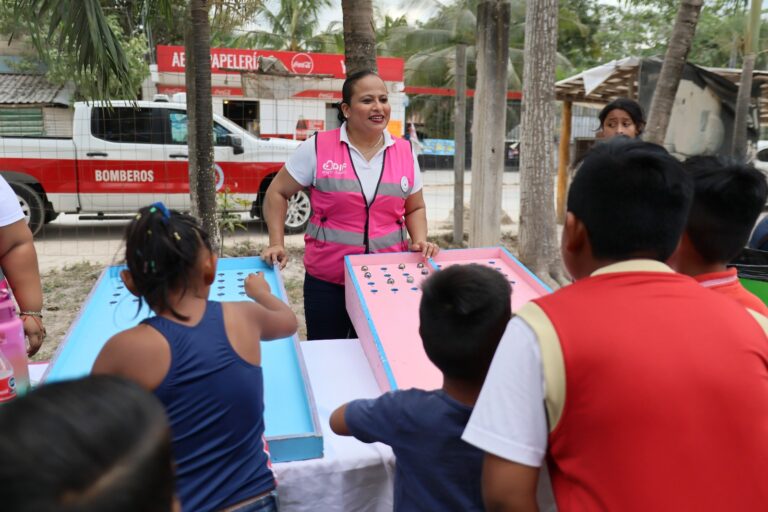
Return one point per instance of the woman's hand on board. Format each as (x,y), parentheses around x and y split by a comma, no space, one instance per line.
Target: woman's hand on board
(427,249)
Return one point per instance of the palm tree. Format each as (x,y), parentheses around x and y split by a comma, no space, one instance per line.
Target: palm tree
(538,235)
(431,54)
(359,36)
(672,70)
(751,47)
(79,28)
(202,184)
(293,26)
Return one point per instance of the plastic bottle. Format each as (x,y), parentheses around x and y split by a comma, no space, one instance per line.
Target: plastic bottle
(7,380)
(12,343)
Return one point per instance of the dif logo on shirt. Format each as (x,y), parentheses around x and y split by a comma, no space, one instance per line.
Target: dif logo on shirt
(331,167)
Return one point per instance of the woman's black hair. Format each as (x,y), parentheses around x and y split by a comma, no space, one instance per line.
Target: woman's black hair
(346,90)
(161,250)
(97,444)
(629,106)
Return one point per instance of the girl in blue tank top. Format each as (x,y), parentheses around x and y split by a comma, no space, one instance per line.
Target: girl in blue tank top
(201,359)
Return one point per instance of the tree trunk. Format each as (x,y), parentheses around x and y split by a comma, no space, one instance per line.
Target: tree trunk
(672,70)
(202,176)
(538,235)
(563,160)
(743,100)
(489,121)
(359,36)
(460,140)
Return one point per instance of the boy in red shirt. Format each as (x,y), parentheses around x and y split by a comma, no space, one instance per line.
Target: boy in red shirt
(639,388)
(728,197)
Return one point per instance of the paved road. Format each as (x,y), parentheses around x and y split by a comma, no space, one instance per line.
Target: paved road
(69,240)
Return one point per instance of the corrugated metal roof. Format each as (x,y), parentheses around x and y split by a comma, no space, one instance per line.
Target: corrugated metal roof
(30,89)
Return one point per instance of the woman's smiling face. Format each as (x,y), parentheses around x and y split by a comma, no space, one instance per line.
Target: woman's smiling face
(369,107)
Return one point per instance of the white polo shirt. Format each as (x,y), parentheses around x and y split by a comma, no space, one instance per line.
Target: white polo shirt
(10,211)
(302,165)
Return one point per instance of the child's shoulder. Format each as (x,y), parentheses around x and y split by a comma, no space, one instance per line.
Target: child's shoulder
(418,402)
(140,353)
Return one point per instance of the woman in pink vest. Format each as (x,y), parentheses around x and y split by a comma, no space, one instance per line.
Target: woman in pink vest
(366,192)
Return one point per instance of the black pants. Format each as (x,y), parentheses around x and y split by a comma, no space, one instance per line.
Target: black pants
(326,311)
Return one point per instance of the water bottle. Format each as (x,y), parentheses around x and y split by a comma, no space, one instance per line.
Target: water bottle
(12,343)
(7,380)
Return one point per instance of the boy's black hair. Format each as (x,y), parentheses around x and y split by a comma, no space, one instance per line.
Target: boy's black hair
(464,311)
(347,90)
(161,249)
(98,444)
(629,106)
(728,198)
(633,198)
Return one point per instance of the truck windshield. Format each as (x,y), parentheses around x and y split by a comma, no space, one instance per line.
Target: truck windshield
(179,130)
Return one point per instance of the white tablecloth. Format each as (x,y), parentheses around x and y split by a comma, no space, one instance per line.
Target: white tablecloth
(352,476)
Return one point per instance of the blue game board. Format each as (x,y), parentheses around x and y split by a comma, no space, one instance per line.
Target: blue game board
(292,428)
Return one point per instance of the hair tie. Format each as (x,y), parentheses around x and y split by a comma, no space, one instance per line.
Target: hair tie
(163,209)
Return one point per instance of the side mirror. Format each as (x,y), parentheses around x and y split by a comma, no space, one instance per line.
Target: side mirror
(236,143)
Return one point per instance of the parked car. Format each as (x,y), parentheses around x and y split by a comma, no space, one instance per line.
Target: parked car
(512,153)
(125,155)
(761,158)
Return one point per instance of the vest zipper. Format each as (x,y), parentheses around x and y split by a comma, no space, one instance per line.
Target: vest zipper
(366,237)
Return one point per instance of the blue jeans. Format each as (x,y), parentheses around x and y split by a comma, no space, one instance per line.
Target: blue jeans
(267,503)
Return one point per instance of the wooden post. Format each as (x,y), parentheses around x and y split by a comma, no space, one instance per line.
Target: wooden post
(460,139)
(488,126)
(563,160)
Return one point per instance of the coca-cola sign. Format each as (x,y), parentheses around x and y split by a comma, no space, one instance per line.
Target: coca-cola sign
(302,63)
(171,59)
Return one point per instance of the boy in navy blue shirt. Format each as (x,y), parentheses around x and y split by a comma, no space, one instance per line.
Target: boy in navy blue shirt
(464,311)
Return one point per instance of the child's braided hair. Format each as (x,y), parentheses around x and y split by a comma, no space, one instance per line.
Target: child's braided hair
(161,249)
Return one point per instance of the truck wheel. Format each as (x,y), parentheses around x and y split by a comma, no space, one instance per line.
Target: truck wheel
(31,204)
(299,212)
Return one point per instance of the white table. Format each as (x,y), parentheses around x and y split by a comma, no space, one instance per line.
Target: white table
(351,476)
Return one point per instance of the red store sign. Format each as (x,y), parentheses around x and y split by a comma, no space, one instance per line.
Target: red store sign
(171,59)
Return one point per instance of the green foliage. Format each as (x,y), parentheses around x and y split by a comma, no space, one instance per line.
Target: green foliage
(640,32)
(81,31)
(579,24)
(293,26)
(61,66)
(227,206)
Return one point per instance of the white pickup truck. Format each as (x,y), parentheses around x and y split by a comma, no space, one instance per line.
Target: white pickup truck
(126,155)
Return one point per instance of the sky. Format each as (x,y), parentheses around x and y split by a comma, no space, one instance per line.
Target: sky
(420,11)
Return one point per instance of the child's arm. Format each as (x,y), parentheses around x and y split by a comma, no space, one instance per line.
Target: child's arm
(509,486)
(339,422)
(275,318)
(370,420)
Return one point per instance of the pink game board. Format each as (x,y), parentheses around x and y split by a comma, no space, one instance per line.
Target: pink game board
(383,293)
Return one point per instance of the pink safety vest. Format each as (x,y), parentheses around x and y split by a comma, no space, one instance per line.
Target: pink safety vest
(342,222)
